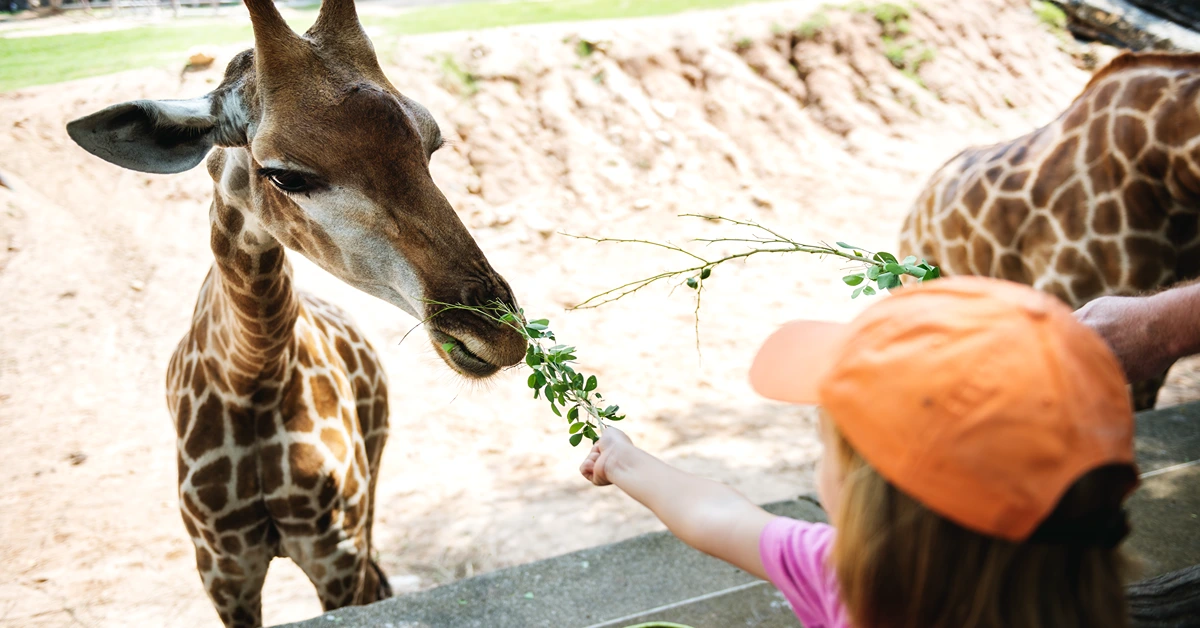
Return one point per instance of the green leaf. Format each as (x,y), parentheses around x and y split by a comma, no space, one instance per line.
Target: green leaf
(573,413)
(576,439)
(868,290)
(590,433)
(873,273)
(555,409)
(692,283)
(885,257)
(857,291)
(848,246)
(894,268)
(541,378)
(616,418)
(706,273)
(853,280)
(449,346)
(576,427)
(915,271)
(609,410)
(933,273)
(591,385)
(910,260)
(532,381)
(884,280)
(541,322)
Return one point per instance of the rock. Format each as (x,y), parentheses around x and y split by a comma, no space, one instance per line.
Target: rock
(1123,23)
(199,59)
(137,285)
(642,204)
(760,199)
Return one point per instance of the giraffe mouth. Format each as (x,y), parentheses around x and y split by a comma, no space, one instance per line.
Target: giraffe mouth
(460,358)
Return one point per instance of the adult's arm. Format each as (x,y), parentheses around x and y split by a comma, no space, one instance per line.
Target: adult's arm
(1148,333)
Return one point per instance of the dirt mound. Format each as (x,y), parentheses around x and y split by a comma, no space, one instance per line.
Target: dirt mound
(822,122)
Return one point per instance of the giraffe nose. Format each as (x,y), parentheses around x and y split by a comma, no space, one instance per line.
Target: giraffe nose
(488,291)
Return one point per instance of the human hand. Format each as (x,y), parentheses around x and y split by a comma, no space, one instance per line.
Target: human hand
(1127,324)
(594,466)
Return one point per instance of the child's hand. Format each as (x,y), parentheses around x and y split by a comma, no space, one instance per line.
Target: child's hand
(593,466)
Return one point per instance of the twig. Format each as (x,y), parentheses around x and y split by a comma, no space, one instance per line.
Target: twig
(880,267)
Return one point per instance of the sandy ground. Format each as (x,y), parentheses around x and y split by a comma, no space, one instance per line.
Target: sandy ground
(708,113)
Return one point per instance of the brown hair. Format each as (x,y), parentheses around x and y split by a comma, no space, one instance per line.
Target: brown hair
(899,565)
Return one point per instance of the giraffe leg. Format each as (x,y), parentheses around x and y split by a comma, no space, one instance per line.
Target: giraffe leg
(1145,393)
(344,575)
(234,581)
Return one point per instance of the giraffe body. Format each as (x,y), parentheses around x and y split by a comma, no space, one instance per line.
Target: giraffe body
(280,403)
(1103,200)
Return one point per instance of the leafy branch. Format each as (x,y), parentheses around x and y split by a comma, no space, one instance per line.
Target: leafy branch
(571,394)
(882,268)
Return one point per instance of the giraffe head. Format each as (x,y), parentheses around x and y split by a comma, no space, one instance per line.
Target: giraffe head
(318,150)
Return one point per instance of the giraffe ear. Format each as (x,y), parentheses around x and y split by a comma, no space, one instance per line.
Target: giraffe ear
(157,136)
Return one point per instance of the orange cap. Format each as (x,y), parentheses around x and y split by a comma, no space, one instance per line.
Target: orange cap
(982,399)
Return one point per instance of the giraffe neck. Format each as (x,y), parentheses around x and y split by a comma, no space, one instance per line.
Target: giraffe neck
(247,304)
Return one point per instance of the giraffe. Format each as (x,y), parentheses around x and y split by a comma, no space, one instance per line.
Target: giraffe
(1103,200)
(279,401)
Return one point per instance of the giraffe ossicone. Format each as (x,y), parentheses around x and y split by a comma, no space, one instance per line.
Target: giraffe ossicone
(280,402)
(1103,200)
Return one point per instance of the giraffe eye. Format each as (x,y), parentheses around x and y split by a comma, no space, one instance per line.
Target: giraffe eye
(287,181)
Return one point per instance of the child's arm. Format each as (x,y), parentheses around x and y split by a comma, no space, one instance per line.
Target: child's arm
(706,515)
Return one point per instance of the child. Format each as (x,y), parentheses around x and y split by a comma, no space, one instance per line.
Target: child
(978,448)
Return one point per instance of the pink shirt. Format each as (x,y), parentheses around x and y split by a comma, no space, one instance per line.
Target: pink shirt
(794,554)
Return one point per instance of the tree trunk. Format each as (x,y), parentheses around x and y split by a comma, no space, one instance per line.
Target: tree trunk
(1171,600)
(1185,13)
(1125,24)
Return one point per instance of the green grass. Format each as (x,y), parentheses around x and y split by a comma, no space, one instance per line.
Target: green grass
(1052,16)
(473,16)
(39,60)
(26,61)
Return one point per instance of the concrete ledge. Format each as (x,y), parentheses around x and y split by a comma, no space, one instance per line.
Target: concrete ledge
(654,577)
(649,576)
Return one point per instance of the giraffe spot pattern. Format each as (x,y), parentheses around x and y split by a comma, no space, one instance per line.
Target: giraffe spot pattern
(1058,167)
(1070,210)
(1144,206)
(258,359)
(1130,136)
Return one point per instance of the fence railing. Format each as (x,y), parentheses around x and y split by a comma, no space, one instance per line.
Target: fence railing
(131,5)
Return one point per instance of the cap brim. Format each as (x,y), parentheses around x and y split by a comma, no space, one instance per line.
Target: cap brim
(793,362)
